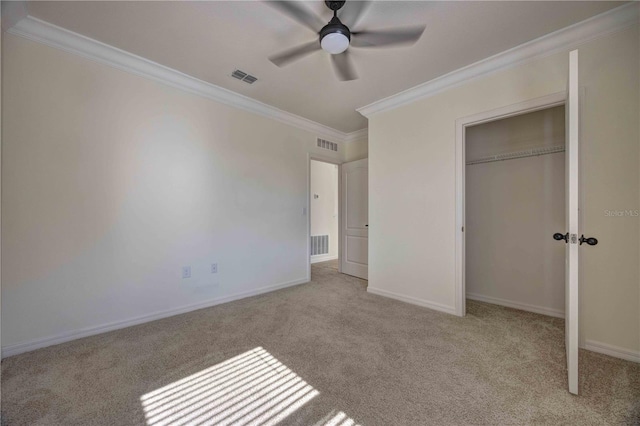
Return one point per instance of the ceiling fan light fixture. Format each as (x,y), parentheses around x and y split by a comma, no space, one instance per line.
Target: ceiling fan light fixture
(335,43)
(335,36)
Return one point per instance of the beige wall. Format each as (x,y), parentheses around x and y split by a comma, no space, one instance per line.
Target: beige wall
(513,208)
(111,183)
(412,183)
(356,150)
(324,209)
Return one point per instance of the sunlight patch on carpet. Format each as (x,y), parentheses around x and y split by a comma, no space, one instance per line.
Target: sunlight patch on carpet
(253,388)
(337,419)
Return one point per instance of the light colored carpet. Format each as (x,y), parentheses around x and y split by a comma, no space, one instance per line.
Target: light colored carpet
(324,353)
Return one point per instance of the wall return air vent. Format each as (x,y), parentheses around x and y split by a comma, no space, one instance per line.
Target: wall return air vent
(332,146)
(319,245)
(243,76)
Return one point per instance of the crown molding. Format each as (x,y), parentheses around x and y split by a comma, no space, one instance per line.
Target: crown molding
(12,12)
(358,134)
(564,39)
(51,35)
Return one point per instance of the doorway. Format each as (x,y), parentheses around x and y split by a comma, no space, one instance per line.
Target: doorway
(530,106)
(338,226)
(514,202)
(569,233)
(324,212)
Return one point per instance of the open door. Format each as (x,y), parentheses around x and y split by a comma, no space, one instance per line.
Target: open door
(355,222)
(572,129)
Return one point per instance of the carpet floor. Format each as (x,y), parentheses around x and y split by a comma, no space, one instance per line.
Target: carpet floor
(322,353)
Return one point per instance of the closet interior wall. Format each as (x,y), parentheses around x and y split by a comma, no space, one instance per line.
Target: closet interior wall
(513,208)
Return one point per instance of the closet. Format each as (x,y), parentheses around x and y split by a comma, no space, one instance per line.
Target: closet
(514,203)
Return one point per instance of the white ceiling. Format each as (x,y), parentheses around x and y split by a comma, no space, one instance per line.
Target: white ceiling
(208,40)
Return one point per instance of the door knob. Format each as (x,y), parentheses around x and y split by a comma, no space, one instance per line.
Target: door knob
(591,241)
(558,236)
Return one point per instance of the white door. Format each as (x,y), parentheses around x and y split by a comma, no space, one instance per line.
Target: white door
(572,191)
(355,223)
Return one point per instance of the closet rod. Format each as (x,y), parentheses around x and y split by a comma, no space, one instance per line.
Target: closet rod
(518,154)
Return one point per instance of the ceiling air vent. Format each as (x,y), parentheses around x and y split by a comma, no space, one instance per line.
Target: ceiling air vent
(332,146)
(243,76)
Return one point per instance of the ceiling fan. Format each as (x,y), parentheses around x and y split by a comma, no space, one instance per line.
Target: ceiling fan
(336,38)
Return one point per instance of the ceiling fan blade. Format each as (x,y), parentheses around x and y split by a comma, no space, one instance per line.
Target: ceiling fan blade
(284,58)
(352,11)
(295,11)
(384,38)
(343,66)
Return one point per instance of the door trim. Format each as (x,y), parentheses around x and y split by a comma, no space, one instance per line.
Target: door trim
(536,104)
(316,157)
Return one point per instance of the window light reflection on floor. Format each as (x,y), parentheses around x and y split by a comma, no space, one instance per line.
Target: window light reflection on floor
(337,419)
(250,389)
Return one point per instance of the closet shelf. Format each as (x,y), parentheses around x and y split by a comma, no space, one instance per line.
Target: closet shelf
(518,154)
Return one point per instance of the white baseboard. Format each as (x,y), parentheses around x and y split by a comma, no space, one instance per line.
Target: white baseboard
(517,305)
(323,258)
(31,345)
(413,300)
(614,351)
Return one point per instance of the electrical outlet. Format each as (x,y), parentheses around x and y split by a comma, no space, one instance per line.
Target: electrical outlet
(186,272)
(214,268)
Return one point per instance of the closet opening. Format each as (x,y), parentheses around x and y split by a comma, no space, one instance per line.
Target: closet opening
(514,201)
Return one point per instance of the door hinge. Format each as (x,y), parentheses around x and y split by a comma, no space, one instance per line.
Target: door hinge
(574,238)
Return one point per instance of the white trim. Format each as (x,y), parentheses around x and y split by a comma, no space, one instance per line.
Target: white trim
(323,258)
(564,39)
(18,348)
(358,134)
(51,35)
(12,13)
(531,105)
(611,350)
(572,207)
(413,300)
(558,313)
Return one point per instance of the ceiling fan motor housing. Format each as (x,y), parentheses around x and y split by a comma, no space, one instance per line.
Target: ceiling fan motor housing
(335,26)
(335,36)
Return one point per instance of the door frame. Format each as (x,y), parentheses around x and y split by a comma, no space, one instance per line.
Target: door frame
(536,104)
(316,157)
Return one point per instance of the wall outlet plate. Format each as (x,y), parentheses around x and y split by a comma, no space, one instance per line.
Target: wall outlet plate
(214,268)
(186,272)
